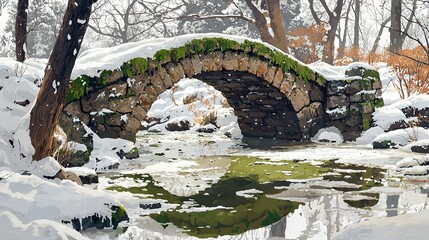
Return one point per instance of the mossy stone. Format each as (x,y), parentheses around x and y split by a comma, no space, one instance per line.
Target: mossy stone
(119,214)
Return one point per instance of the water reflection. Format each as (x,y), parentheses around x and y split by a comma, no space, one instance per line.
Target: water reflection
(255,198)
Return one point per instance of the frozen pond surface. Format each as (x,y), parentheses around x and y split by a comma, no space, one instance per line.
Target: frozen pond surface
(187,186)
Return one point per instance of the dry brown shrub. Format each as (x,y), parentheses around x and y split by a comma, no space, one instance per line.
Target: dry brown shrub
(349,55)
(412,73)
(306,42)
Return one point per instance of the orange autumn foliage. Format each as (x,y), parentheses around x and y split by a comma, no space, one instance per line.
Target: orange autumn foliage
(306,43)
(349,55)
(413,76)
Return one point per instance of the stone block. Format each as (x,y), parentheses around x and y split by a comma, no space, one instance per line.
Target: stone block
(356,98)
(73,108)
(124,105)
(230,61)
(243,62)
(257,67)
(117,90)
(336,87)
(151,92)
(271,72)
(316,94)
(166,79)
(368,96)
(140,83)
(175,71)
(355,120)
(109,132)
(196,64)
(212,61)
(157,82)
(139,112)
(113,119)
(304,117)
(337,101)
(353,87)
(97,101)
(74,130)
(133,124)
(377,84)
(187,67)
(130,136)
(298,99)
(145,102)
(115,76)
(278,78)
(316,110)
(366,107)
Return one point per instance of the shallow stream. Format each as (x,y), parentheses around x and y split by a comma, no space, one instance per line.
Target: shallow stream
(201,186)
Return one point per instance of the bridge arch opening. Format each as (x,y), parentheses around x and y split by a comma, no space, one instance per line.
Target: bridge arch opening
(261,110)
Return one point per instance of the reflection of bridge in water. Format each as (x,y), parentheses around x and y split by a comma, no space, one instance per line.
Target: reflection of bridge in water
(272,94)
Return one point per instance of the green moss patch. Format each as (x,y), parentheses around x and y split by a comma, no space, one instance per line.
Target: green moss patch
(378,102)
(268,171)
(119,214)
(137,66)
(366,121)
(78,88)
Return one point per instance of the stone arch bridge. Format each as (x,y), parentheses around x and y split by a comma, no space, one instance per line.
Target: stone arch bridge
(272,94)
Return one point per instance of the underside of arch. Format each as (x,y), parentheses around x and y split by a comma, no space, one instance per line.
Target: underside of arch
(261,109)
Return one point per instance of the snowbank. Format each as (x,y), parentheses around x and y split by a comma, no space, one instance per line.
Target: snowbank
(32,198)
(13,228)
(330,134)
(408,226)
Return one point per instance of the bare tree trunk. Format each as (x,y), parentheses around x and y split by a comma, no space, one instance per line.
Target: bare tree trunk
(395,26)
(21,30)
(50,100)
(380,32)
(277,24)
(272,32)
(343,39)
(356,28)
(334,20)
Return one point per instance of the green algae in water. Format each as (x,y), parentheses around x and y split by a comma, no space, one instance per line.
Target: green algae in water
(268,171)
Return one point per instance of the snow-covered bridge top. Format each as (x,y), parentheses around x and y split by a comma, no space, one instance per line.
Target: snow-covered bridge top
(90,62)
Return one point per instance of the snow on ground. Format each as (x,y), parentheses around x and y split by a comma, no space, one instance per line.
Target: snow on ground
(192,100)
(408,226)
(345,153)
(330,134)
(12,227)
(34,206)
(31,206)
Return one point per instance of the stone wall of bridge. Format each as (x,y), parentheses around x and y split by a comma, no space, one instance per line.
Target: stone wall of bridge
(272,94)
